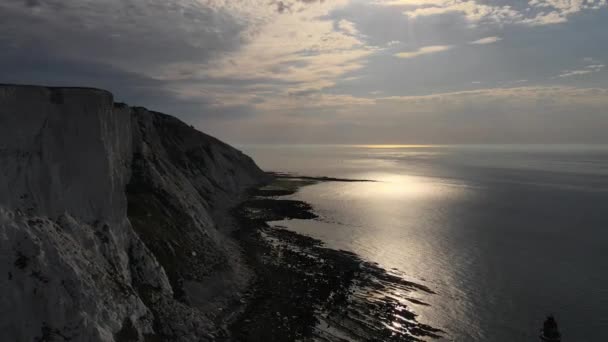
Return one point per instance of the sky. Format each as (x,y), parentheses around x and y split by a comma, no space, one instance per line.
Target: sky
(322,71)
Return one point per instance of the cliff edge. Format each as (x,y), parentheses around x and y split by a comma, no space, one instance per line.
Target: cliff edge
(113,222)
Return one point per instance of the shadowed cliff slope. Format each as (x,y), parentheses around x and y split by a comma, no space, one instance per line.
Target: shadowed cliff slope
(112,220)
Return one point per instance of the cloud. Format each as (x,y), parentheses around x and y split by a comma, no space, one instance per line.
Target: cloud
(213,52)
(558,95)
(319,68)
(589,69)
(348,27)
(487,40)
(138,36)
(538,12)
(301,52)
(425,50)
(565,7)
(554,17)
(471,10)
(541,114)
(575,73)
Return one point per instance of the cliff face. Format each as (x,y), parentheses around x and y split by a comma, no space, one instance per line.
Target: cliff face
(112,220)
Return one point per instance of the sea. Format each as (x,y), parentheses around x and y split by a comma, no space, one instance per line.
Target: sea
(503,234)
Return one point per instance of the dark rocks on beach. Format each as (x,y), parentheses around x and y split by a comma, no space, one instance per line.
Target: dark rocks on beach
(307,291)
(277,209)
(132,232)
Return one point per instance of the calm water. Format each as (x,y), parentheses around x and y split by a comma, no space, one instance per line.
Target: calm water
(503,234)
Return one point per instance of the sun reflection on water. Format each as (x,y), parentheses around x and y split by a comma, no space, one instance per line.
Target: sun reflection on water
(389,146)
(396,221)
(394,186)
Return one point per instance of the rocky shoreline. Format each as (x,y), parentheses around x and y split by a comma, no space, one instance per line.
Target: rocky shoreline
(115,225)
(304,291)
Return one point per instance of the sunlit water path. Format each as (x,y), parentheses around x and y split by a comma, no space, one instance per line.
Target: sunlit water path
(503,234)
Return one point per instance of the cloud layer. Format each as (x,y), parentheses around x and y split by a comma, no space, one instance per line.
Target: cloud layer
(329,71)
(425,50)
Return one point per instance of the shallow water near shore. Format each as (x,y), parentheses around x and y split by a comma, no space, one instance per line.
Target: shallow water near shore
(306,291)
(502,234)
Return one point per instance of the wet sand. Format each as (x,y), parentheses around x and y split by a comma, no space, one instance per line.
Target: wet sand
(305,291)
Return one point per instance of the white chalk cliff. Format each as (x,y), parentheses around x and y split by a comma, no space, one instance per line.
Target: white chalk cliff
(113,222)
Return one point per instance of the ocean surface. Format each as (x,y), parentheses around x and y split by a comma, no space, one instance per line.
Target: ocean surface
(503,234)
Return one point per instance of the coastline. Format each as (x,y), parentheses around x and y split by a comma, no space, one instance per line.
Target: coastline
(304,290)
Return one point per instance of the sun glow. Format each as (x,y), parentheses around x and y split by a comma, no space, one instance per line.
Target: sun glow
(401,186)
(396,146)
